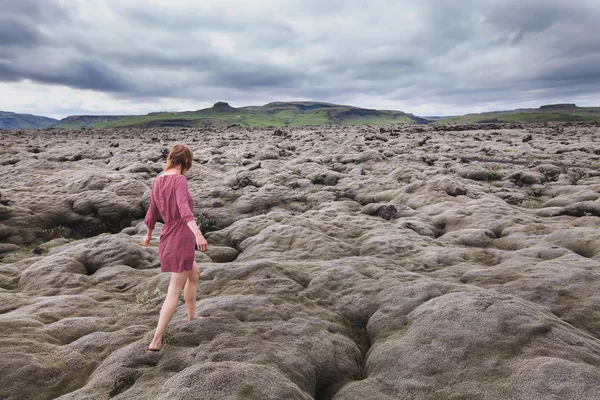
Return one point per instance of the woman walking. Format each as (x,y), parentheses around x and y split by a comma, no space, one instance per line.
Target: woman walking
(171,199)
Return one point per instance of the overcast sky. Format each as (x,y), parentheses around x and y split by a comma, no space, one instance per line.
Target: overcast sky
(432,57)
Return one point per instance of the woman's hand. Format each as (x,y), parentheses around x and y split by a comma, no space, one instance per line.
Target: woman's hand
(146,240)
(201,243)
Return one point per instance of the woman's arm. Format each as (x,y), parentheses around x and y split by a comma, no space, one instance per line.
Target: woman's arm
(200,240)
(187,215)
(181,191)
(150,219)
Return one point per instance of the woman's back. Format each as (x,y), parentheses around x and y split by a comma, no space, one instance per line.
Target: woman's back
(171,199)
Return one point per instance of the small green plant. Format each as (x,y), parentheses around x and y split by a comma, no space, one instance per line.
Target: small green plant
(141,298)
(56,232)
(34,249)
(494,175)
(205,223)
(146,297)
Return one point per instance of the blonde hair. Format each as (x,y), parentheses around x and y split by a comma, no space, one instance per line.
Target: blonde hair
(180,155)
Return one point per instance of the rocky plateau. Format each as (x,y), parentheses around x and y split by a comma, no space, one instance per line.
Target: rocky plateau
(348,263)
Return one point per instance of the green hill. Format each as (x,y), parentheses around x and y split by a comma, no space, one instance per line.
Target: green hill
(10,120)
(297,113)
(300,113)
(547,113)
(82,121)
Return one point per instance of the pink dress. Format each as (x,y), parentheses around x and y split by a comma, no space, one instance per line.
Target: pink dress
(171,199)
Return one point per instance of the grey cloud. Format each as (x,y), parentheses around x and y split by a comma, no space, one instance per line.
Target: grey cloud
(182,23)
(35,10)
(82,74)
(7,73)
(88,74)
(176,19)
(14,32)
(249,78)
(465,51)
(522,17)
(585,72)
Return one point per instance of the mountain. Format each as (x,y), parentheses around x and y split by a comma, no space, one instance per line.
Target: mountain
(295,113)
(82,121)
(11,120)
(221,114)
(546,113)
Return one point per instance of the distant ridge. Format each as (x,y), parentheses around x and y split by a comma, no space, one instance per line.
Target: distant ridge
(295,113)
(559,107)
(12,121)
(276,114)
(546,113)
(83,121)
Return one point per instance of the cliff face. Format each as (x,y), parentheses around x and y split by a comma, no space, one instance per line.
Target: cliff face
(422,261)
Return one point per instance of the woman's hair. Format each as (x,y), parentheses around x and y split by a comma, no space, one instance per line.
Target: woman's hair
(180,155)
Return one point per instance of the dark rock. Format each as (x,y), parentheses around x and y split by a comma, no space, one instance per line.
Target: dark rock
(38,251)
(374,137)
(10,161)
(325,178)
(243,182)
(387,212)
(424,141)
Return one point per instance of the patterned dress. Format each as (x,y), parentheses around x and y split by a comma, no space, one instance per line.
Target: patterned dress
(171,199)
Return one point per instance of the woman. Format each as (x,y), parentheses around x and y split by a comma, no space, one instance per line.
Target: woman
(171,199)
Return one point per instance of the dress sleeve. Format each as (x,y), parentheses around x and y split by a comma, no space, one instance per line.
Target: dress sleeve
(181,194)
(152,214)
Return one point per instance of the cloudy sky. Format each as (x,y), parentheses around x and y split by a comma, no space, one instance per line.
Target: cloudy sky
(432,57)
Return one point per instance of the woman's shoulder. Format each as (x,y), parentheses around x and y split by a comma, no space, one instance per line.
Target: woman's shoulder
(177,180)
(170,176)
(168,179)
(180,178)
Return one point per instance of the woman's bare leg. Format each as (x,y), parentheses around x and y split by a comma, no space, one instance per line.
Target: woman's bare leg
(190,291)
(168,307)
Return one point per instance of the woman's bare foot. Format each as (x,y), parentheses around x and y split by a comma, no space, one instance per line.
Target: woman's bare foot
(155,346)
(194,317)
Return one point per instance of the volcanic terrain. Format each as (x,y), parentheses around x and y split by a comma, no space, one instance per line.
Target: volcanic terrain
(397,262)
